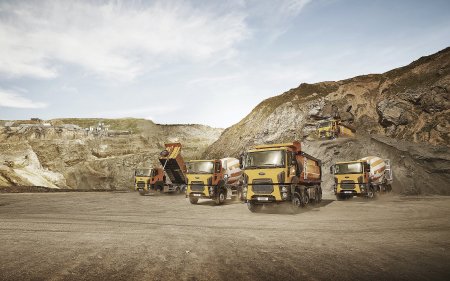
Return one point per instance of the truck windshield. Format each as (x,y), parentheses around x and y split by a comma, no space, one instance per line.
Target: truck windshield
(204,167)
(265,159)
(348,168)
(142,172)
(324,124)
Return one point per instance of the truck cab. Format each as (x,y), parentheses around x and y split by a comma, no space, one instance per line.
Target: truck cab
(327,129)
(206,181)
(333,128)
(280,173)
(352,179)
(148,179)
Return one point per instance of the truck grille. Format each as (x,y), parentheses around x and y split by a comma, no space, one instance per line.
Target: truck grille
(197,186)
(347,184)
(262,186)
(140,184)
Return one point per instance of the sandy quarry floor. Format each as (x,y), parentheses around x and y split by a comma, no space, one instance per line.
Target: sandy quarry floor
(124,236)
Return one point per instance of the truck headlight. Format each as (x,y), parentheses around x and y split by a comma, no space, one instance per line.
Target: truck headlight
(284,189)
(211,191)
(284,195)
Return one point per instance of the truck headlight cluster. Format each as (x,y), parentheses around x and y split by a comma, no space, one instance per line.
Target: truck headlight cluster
(284,192)
(362,187)
(244,191)
(211,191)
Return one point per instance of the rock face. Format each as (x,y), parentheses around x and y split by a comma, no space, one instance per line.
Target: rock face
(409,105)
(67,157)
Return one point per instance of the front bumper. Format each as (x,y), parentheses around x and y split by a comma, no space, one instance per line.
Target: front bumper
(359,190)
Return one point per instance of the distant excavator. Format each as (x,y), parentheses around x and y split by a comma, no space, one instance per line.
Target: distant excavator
(335,127)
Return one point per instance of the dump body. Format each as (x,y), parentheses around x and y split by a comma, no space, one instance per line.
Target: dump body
(362,177)
(173,163)
(170,178)
(279,173)
(215,179)
(334,128)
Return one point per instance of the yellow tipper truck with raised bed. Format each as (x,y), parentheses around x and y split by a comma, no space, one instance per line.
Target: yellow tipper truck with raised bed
(363,177)
(281,173)
(169,179)
(214,179)
(331,129)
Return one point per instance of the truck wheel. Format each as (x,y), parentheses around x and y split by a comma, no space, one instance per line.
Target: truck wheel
(389,188)
(254,208)
(295,203)
(141,192)
(238,196)
(371,193)
(304,198)
(316,200)
(193,200)
(220,198)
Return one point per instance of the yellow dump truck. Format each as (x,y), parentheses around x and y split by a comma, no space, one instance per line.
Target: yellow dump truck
(331,129)
(363,177)
(281,173)
(148,179)
(171,178)
(217,179)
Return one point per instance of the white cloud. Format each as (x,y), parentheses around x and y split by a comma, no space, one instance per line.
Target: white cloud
(118,40)
(15,100)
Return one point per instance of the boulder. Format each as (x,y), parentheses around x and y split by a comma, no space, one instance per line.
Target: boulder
(392,112)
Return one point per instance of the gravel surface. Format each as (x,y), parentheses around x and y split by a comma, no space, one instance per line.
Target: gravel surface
(124,236)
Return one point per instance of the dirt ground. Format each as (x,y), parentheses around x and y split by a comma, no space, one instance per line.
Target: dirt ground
(124,236)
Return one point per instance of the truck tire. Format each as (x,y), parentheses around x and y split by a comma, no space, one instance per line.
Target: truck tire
(159,187)
(254,208)
(141,192)
(193,200)
(295,203)
(371,193)
(317,198)
(238,196)
(389,188)
(220,198)
(304,198)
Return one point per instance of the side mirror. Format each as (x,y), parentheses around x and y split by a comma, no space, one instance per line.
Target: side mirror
(293,159)
(241,162)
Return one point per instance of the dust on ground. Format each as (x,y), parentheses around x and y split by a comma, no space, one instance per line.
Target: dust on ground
(124,236)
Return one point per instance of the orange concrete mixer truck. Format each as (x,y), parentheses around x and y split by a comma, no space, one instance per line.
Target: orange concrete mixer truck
(363,177)
(217,179)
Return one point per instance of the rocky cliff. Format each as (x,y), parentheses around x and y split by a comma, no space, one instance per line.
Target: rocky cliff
(62,153)
(402,114)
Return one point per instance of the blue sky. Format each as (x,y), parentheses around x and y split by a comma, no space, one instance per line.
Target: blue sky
(207,62)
